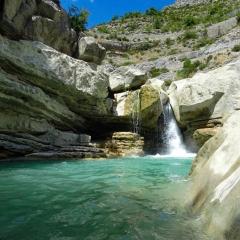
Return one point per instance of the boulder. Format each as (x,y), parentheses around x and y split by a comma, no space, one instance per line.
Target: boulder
(124,144)
(209,95)
(216,181)
(40,20)
(90,51)
(145,104)
(126,78)
(222,28)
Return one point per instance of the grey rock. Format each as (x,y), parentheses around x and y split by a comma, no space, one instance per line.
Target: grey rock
(49,99)
(181,3)
(207,95)
(41,20)
(90,50)
(221,28)
(215,178)
(125,78)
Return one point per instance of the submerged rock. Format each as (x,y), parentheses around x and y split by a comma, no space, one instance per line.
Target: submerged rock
(216,181)
(125,144)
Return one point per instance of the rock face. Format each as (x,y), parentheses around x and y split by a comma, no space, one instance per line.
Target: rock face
(143,105)
(90,50)
(202,135)
(125,144)
(216,181)
(221,28)
(126,78)
(38,20)
(180,3)
(47,98)
(206,96)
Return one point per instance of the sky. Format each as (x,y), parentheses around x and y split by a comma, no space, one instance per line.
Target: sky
(103,10)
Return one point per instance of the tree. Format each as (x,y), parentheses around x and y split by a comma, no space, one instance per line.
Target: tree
(78,18)
(152,12)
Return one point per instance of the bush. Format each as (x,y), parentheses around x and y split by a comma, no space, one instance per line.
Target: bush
(132,15)
(189,35)
(78,18)
(154,72)
(169,42)
(152,12)
(236,48)
(114,18)
(157,23)
(103,29)
(190,21)
(190,68)
(203,42)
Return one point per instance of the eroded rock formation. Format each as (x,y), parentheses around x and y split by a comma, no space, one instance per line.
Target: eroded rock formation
(38,20)
(216,181)
(202,101)
(125,144)
(47,96)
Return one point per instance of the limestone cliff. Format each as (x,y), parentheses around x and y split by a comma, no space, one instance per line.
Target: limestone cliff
(216,181)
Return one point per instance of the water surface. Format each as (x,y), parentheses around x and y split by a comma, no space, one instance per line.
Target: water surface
(124,199)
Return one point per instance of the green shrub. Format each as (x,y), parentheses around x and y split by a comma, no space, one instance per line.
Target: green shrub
(169,41)
(189,68)
(114,18)
(190,21)
(103,29)
(78,18)
(154,72)
(203,42)
(189,35)
(157,23)
(127,63)
(236,48)
(152,12)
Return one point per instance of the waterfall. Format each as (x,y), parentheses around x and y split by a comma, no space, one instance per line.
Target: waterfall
(172,139)
(136,121)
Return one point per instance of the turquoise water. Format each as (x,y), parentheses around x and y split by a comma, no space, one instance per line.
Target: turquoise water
(124,199)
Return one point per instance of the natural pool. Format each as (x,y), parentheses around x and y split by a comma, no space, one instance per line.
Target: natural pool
(118,199)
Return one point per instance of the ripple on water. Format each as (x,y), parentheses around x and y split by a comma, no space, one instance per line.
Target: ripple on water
(125,199)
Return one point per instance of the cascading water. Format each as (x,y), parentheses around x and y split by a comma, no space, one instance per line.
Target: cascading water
(136,121)
(172,140)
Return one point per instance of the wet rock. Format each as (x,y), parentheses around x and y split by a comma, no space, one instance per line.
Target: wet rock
(145,103)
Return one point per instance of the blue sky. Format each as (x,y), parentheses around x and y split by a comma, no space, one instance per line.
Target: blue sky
(103,10)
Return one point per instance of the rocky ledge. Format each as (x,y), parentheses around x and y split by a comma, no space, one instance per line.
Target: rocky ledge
(125,144)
